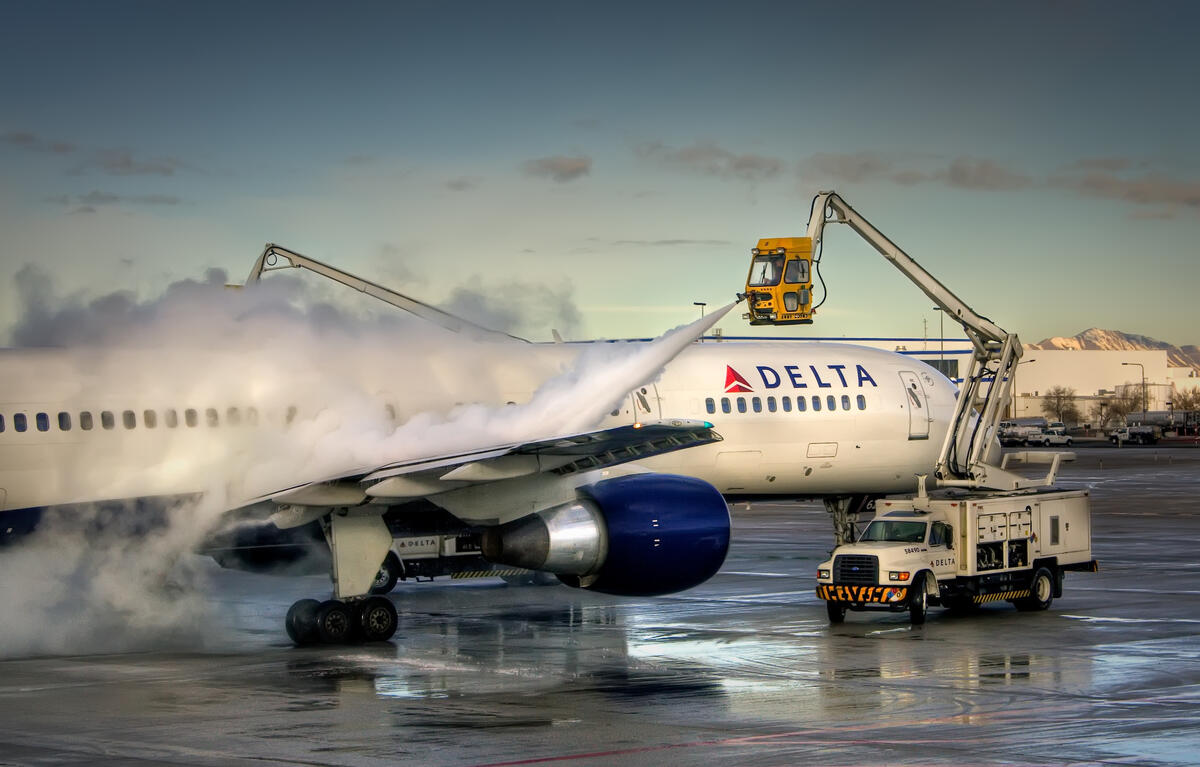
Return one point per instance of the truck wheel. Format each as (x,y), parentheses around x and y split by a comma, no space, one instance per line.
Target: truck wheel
(836,611)
(1041,592)
(918,601)
(389,573)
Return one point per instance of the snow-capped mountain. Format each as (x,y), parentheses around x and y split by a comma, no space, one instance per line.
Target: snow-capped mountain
(1114,340)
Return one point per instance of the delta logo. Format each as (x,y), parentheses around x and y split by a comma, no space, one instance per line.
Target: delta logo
(736,383)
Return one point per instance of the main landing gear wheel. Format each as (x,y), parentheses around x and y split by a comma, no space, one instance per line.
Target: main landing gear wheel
(336,622)
(377,619)
(301,621)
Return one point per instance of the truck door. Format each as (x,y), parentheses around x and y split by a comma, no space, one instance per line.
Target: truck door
(942,559)
(917,404)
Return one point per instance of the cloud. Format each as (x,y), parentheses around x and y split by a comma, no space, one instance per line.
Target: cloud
(852,168)
(962,172)
(971,173)
(517,307)
(558,168)
(96,197)
(121,162)
(708,159)
(33,142)
(1110,164)
(463,183)
(672,243)
(1147,189)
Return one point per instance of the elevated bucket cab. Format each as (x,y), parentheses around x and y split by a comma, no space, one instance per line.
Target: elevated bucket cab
(779,286)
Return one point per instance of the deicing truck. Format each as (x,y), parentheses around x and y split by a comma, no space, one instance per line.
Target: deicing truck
(959,550)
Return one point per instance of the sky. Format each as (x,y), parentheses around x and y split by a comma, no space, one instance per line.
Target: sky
(596,168)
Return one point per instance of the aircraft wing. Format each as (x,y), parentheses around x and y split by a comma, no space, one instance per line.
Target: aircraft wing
(562,455)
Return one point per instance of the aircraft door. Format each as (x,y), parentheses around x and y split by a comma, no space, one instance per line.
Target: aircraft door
(917,403)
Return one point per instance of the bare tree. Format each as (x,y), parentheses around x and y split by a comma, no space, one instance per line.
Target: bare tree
(1059,403)
(1187,399)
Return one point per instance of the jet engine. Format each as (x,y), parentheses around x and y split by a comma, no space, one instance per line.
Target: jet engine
(640,535)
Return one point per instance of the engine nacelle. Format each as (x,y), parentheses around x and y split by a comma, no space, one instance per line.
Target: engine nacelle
(640,535)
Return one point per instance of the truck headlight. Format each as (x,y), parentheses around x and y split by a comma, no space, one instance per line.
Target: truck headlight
(901,575)
(822,575)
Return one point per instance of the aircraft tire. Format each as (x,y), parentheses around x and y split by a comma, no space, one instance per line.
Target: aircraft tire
(335,622)
(301,622)
(377,619)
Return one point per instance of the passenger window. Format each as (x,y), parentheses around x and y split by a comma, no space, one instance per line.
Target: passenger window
(170,418)
(149,418)
(831,402)
(85,420)
(19,422)
(211,417)
(129,419)
(189,417)
(1,424)
(741,403)
(233,417)
(710,406)
(816,403)
(43,422)
(770,404)
(801,404)
(64,421)
(391,411)
(756,403)
(106,419)
(252,416)
(291,413)
(862,402)
(725,408)
(845,402)
(787,404)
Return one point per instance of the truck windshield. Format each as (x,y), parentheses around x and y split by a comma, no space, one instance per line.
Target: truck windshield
(902,532)
(766,270)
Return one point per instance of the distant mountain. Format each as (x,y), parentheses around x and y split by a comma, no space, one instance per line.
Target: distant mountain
(1114,340)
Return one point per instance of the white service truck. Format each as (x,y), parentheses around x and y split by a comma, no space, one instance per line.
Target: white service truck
(959,550)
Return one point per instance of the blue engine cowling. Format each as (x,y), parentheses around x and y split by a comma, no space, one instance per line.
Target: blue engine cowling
(640,535)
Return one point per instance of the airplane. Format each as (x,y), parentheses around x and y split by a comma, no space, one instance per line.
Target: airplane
(598,472)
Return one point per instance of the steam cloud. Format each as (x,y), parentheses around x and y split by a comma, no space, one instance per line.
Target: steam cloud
(272,351)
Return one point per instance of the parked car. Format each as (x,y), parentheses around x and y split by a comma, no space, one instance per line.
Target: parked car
(1048,437)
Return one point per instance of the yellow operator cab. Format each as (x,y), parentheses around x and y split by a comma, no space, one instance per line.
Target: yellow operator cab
(779,286)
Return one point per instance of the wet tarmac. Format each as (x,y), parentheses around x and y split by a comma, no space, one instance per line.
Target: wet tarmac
(743,670)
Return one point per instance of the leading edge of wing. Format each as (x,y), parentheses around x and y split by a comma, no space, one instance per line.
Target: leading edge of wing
(562,454)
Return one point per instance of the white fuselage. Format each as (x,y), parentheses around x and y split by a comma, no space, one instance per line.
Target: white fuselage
(797,419)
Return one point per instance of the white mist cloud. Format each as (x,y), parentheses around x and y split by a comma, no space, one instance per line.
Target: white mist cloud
(266,351)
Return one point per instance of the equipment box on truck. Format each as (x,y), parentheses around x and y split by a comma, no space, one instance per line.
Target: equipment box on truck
(961,549)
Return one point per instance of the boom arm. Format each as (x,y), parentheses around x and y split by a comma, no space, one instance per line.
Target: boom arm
(963,460)
(269,262)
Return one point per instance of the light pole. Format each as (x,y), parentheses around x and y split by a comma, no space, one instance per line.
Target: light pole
(701,304)
(1143,369)
(941,338)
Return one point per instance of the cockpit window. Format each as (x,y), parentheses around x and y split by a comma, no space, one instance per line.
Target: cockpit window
(765,270)
(890,530)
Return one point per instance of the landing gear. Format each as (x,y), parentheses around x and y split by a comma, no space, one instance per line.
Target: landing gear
(373,619)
